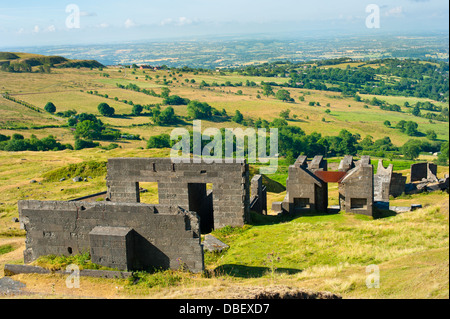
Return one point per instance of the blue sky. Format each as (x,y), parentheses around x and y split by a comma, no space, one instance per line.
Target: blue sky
(29,23)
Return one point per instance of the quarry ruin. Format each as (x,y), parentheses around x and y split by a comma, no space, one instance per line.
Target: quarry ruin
(122,233)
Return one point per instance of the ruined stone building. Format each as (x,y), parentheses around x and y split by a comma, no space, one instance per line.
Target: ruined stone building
(356,188)
(424,171)
(387,183)
(307,186)
(258,201)
(184,185)
(305,191)
(194,199)
(125,234)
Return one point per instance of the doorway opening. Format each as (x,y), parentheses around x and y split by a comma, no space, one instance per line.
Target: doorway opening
(201,201)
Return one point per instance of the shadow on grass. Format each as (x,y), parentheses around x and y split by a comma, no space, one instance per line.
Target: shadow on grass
(252,272)
(383,213)
(263,220)
(297,120)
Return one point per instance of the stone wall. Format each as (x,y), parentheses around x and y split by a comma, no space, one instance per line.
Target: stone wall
(258,201)
(382,182)
(356,189)
(231,189)
(421,171)
(398,184)
(305,191)
(135,235)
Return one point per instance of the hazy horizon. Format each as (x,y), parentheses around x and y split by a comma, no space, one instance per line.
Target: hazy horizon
(27,24)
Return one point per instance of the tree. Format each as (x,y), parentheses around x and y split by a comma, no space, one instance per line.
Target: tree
(198,110)
(411,149)
(267,90)
(159,141)
(444,155)
(401,125)
(4,138)
(167,116)
(50,107)
(238,117)
(411,128)
(81,144)
(17,136)
(165,93)
(137,109)
(175,100)
(88,130)
(431,135)
(348,142)
(285,114)
(284,95)
(387,123)
(106,110)
(416,111)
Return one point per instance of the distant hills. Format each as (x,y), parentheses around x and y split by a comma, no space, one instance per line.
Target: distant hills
(25,62)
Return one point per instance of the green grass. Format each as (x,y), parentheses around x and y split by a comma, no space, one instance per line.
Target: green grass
(141,84)
(53,262)
(4,249)
(142,281)
(83,170)
(326,252)
(67,88)
(306,242)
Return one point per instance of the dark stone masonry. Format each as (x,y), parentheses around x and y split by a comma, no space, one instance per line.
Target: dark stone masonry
(184,185)
(194,199)
(307,186)
(125,236)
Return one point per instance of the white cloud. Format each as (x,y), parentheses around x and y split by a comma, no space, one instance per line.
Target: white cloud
(394,12)
(36,29)
(166,22)
(129,23)
(179,22)
(104,25)
(184,21)
(51,28)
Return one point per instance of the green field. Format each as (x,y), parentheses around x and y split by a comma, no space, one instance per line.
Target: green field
(318,252)
(67,89)
(322,252)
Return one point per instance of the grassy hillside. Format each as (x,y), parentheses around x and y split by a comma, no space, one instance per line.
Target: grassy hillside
(327,252)
(320,253)
(67,89)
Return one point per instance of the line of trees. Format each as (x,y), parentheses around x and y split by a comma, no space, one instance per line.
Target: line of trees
(417,78)
(26,104)
(17,143)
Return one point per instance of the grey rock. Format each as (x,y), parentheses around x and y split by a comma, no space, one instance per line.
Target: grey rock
(77,179)
(212,244)
(9,286)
